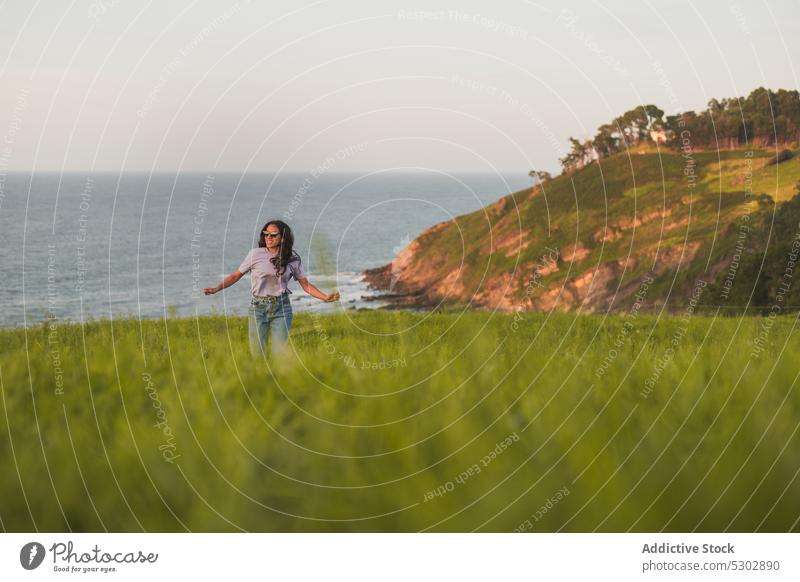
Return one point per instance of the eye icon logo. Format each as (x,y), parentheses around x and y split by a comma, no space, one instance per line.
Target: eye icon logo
(31,555)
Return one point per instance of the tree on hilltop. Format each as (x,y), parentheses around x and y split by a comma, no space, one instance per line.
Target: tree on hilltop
(540,176)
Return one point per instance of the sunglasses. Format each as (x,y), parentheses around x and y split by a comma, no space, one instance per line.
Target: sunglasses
(271,234)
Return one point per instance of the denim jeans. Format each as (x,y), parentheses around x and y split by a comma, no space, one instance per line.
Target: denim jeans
(272,318)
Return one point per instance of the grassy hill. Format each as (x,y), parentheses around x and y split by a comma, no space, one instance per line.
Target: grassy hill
(592,239)
(473,421)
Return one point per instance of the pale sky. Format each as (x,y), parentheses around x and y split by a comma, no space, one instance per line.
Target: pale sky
(112,85)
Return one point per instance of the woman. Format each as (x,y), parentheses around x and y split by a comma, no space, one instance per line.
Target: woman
(271,264)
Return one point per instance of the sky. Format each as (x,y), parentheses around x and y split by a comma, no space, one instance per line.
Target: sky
(115,85)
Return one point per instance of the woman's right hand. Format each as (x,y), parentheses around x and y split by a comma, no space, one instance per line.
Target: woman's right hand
(226,282)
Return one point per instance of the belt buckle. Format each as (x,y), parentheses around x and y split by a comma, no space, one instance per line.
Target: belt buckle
(264,300)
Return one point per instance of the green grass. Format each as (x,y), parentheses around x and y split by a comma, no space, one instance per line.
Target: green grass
(314,443)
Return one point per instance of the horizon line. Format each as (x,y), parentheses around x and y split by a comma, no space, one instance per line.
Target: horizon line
(240,172)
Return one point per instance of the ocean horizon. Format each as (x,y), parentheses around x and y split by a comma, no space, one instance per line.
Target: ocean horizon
(96,245)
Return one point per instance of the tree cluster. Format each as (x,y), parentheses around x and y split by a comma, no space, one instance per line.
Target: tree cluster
(645,123)
(762,119)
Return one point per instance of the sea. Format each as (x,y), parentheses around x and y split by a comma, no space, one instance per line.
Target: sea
(77,247)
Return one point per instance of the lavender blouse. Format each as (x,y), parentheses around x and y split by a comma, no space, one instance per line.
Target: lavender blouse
(264,279)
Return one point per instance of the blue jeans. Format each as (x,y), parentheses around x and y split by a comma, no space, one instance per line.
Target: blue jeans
(273,319)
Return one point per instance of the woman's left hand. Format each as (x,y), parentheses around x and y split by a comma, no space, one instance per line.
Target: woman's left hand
(331,297)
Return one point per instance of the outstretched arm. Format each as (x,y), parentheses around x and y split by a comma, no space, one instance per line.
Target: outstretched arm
(314,292)
(226,282)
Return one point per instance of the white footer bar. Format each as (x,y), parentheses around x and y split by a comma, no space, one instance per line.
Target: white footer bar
(400,557)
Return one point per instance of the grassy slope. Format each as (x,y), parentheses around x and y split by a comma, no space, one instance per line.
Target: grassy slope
(320,445)
(574,208)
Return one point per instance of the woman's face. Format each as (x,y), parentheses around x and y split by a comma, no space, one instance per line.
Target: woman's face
(272,237)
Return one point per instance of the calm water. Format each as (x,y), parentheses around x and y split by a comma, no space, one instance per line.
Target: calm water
(78,246)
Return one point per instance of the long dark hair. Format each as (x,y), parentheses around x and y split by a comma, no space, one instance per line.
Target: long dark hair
(286,252)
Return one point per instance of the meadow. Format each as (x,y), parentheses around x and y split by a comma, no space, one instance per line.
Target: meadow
(403,421)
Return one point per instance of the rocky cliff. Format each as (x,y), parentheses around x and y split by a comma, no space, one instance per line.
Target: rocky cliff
(637,230)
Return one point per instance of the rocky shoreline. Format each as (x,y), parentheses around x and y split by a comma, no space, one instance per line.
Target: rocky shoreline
(396,295)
